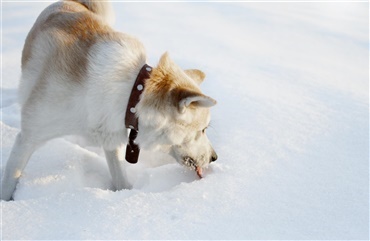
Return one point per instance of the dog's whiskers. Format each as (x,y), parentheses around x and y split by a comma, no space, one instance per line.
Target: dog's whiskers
(188,161)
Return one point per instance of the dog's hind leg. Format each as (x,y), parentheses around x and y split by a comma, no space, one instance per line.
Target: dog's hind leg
(19,156)
(116,167)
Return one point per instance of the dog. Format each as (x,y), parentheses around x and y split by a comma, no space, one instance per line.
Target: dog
(77,78)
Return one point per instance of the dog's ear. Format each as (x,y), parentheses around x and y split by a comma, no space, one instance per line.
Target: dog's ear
(165,61)
(184,98)
(165,64)
(196,75)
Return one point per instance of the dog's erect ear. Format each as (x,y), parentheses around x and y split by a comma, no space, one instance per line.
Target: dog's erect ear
(165,61)
(187,98)
(196,75)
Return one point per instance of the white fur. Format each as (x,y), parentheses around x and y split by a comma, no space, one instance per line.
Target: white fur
(111,75)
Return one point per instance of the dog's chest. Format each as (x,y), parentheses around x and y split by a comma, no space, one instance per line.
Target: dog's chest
(107,139)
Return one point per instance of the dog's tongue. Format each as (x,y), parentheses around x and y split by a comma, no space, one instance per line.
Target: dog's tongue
(199,172)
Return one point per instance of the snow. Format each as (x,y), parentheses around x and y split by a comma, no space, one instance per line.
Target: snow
(291,129)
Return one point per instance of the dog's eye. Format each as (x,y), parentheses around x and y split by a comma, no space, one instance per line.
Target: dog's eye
(204,130)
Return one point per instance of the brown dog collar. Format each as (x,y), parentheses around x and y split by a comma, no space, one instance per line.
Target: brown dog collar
(131,120)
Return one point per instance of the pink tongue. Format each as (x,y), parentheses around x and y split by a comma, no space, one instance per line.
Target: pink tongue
(199,172)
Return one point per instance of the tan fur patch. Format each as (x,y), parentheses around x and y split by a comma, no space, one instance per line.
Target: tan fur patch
(196,74)
(167,87)
(72,29)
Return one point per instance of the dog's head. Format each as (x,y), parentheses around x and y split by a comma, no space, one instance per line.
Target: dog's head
(174,114)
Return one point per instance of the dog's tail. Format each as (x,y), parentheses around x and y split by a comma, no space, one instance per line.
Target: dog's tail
(102,8)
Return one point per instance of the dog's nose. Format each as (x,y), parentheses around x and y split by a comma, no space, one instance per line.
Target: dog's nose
(214,157)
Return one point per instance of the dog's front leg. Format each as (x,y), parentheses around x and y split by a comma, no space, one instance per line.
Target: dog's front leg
(116,164)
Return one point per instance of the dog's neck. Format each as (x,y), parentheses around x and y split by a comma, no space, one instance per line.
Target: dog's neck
(131,120)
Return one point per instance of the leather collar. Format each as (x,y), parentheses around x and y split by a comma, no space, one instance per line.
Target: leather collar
(131,120)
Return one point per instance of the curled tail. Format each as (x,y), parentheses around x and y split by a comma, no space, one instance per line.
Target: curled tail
(102,8)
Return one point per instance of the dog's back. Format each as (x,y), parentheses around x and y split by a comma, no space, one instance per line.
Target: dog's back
(102,8)
(59,42)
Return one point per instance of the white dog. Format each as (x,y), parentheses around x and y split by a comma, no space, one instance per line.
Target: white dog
(80,77)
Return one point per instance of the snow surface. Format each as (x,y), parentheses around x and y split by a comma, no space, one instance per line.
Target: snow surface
(291,129)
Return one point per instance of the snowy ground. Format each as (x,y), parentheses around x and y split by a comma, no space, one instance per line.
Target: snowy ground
(291,129)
